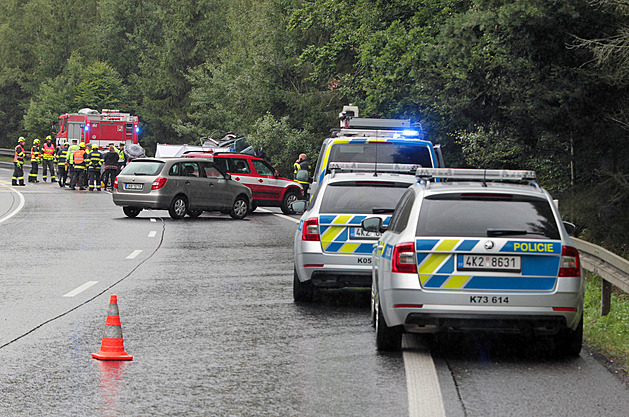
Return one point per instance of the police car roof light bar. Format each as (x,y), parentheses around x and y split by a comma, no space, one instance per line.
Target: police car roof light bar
(476,174)
(373,167)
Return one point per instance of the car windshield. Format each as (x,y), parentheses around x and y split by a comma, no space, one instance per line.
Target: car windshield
(477,215)
(143,168)
(361,197)
(382,153)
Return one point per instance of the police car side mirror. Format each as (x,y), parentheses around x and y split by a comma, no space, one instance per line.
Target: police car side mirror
(373,224)
(570,228)
(299,206)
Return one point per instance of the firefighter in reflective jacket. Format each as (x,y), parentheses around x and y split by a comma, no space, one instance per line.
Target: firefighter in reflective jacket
(62,159)
(48,159)
(35,159)
(77,160)
(302,170)
(69,166)
(18,163)
(94,162)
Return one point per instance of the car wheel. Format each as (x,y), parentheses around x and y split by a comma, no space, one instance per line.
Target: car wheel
(568,342)
(178,207)
(289,198)
(131,211)
(303,292)
(388,339)
(239,208)
(193,214)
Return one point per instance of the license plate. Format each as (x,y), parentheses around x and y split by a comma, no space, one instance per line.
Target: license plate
(360,233)
(489,263)
(133,186)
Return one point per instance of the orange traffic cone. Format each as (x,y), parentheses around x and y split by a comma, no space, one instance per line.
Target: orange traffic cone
(112,346)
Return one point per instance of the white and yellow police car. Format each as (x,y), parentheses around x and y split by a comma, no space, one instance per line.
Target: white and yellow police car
(481,249)
(331,248)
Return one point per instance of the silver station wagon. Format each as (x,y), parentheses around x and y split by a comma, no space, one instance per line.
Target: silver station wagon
(481,249)
(183,186)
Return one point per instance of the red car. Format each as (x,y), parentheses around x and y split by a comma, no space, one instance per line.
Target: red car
(267,187)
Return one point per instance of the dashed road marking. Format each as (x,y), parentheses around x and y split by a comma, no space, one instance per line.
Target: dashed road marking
(80,289)
(134,254)
(152,233)
(153,220)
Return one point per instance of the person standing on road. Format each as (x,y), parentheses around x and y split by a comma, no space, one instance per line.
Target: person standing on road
(49,156)
(77,160)
(111,167)
(18,163)
(69,165)
(62,164)
(302,170)
(35,158)
(94,161)
(122,159)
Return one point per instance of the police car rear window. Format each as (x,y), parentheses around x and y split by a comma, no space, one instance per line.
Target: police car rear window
(382,152)
(478,215)
(143,168)
(361,198)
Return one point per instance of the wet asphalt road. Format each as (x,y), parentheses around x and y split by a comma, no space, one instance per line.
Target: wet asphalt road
(207,313)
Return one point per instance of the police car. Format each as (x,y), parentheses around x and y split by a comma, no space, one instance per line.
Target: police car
(331,248)
(477,250)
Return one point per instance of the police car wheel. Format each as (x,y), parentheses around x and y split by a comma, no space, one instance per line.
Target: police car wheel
(289,198)
(131,211)
(303,292)
(178,207)
(239,208)
(569,342)
(388,339)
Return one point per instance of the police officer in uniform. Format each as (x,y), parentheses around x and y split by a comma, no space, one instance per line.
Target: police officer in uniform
(48,158)
(18,162)
(35,158)
(69,166)
(122,159)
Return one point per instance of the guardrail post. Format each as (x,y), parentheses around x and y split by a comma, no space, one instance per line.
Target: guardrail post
(606,297)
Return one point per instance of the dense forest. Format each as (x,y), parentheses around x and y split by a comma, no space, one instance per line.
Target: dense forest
(537,84)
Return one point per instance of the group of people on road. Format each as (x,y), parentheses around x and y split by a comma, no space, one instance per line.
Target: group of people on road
(77,164)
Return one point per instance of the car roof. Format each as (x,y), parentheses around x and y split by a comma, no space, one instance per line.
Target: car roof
(435,188)
(369,176)
(221,155)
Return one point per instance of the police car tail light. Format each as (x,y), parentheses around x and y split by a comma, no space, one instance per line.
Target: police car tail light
(404,258)
(158,183)
(570,265)
(310,230)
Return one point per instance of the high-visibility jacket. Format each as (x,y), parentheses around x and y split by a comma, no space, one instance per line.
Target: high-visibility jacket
(35,154)
(120,156)
(78,159)
(95,160)
(73,148)
(302,166)
(62,155)
(49,151)
(19,154)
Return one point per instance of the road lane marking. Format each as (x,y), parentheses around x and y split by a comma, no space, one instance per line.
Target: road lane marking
(80,289)
(152,233)
(422,384)
(134,254)
(153,220)
(18,208)
(279,215)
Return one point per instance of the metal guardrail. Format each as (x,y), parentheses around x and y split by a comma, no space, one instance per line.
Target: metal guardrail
(609,266)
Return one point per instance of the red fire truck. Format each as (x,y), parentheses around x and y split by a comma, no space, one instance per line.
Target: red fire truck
(100,129)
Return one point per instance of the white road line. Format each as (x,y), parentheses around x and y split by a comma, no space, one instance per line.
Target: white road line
(153,220)
(134,254)
(80,289)
(17,209)
(422,384)
(152,233)
(279,215)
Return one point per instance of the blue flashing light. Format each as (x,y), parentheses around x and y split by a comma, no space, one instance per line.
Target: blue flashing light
(410,133)
(137,129)
(87,128)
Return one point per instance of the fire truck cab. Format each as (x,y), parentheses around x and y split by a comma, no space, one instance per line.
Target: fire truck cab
(90,126)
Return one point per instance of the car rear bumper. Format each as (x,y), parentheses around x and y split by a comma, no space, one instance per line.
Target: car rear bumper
(334,271)
(144,201)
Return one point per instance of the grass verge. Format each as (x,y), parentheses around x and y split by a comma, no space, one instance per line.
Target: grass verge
(609,334)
